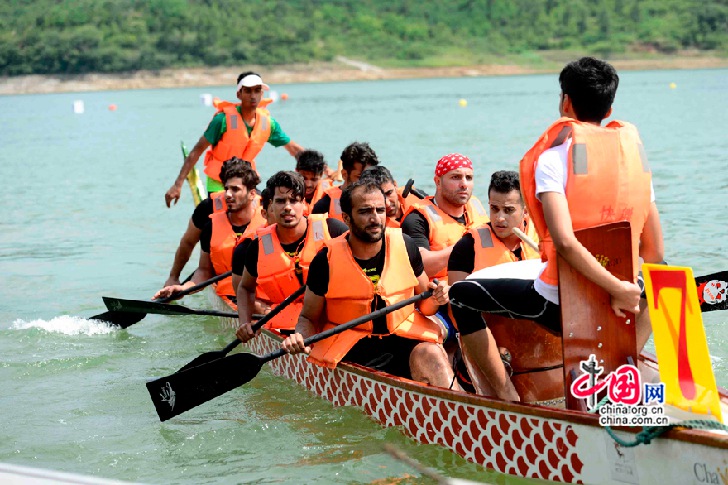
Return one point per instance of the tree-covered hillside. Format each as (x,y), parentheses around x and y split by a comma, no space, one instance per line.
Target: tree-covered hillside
(82,36)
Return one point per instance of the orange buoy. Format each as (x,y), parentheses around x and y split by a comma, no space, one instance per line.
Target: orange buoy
(112,107)
(284,96)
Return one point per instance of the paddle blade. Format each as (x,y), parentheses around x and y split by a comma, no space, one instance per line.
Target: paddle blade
(120,319)
(203,359)
(142,306)
(712,293)
(182,391)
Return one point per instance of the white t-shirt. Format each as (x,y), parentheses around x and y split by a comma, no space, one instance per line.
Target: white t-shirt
(551,176)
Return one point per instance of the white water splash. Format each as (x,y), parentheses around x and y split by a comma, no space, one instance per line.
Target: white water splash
(67,325)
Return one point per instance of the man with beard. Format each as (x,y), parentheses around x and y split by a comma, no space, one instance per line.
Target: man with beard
(354,160)
(396,204)
(219,237)
(363,271)
(495,242)
(277,261)
(437,222)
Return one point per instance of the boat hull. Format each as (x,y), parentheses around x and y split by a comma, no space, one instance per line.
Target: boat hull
(517,439)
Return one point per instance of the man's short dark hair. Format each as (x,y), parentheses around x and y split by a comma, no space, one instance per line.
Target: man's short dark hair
(346,194)
(379,174)
(286,179)
(504,181)
(311,161)
(358,152)
(246,73)
(236,167)
(591,84)
(265,198)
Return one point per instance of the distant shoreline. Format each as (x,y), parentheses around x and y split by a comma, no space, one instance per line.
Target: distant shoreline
(341,70)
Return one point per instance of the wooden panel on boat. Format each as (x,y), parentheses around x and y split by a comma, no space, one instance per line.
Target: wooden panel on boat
(536,357)
(588,322)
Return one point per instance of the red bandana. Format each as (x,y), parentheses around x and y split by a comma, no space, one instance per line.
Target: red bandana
(451,162)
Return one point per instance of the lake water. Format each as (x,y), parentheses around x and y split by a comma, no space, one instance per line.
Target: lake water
(84,216)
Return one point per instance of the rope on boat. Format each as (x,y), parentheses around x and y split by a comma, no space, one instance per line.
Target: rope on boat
(649,433)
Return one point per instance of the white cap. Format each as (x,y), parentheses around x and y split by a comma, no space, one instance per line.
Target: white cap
(252,80)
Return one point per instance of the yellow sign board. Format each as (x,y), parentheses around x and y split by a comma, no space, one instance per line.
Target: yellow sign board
(682,349)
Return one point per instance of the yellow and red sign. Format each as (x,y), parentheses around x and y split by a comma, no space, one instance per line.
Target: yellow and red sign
(680,343)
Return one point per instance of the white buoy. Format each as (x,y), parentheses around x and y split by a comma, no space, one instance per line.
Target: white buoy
(206,99)
(78,107)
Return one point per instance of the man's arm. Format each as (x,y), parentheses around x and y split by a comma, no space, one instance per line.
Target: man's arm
(204,272)
(461,262)
(183,253)
(175,190)
(625,294)
(455,276)
(246,303)
(415,226)
(313,307)
(293,148)
(435,261)
(652,248)
(439,296)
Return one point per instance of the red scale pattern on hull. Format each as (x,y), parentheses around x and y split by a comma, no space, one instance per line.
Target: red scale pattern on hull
(501,440)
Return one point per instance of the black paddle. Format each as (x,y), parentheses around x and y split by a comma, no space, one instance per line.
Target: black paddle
(180,392)
(122,317)
(219,354)
(721,278)
(408,187)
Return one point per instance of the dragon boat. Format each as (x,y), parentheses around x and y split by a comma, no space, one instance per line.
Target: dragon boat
(538,438)
(548,436)
(525,440)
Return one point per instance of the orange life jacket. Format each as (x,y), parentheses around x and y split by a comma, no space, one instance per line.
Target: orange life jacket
(334,194)
(351,292)
(279,274)
(608,181)
(489,250)
(444,230)
(321,189)
(235,142)
(393,223)
(218,201)
(404,204)
(222,245)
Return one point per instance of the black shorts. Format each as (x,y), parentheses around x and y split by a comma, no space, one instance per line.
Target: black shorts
(511,298)
(389,353)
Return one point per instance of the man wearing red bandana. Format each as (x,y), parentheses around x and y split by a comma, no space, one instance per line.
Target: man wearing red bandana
(438,222)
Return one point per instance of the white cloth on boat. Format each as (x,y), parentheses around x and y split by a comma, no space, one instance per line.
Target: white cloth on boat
(528,269)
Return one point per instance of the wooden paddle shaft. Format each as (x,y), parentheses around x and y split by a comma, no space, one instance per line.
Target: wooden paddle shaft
(524,237)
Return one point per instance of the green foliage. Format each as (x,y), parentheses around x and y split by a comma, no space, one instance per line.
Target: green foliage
(83,36)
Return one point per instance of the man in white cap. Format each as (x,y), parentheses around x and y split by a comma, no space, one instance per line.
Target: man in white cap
(237,129)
